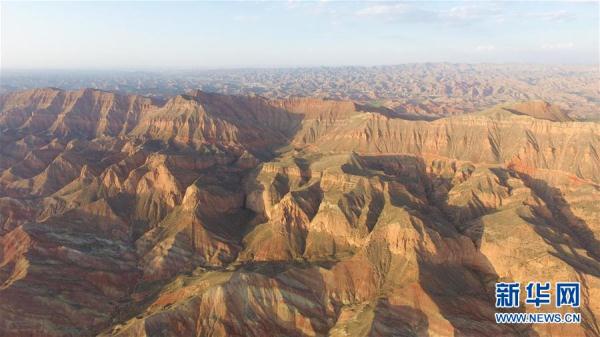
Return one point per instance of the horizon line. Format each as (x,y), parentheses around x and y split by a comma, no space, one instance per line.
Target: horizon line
(279,67)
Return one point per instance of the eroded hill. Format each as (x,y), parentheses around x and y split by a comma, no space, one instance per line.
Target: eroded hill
(214,215)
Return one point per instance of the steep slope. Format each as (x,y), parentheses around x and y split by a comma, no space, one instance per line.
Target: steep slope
(200,118)
(493,136)
(84,113)
(540,110)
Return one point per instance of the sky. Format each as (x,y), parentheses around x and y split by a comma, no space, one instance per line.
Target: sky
(226,34)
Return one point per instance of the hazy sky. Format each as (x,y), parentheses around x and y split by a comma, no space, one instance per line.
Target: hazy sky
(138,35)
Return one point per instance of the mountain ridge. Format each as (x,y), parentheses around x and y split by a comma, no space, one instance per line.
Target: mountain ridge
(314,217)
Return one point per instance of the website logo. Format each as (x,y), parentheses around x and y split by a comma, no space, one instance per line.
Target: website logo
(538,295)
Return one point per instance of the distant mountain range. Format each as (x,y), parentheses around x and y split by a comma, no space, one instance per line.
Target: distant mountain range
(427,89)
(206,214)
